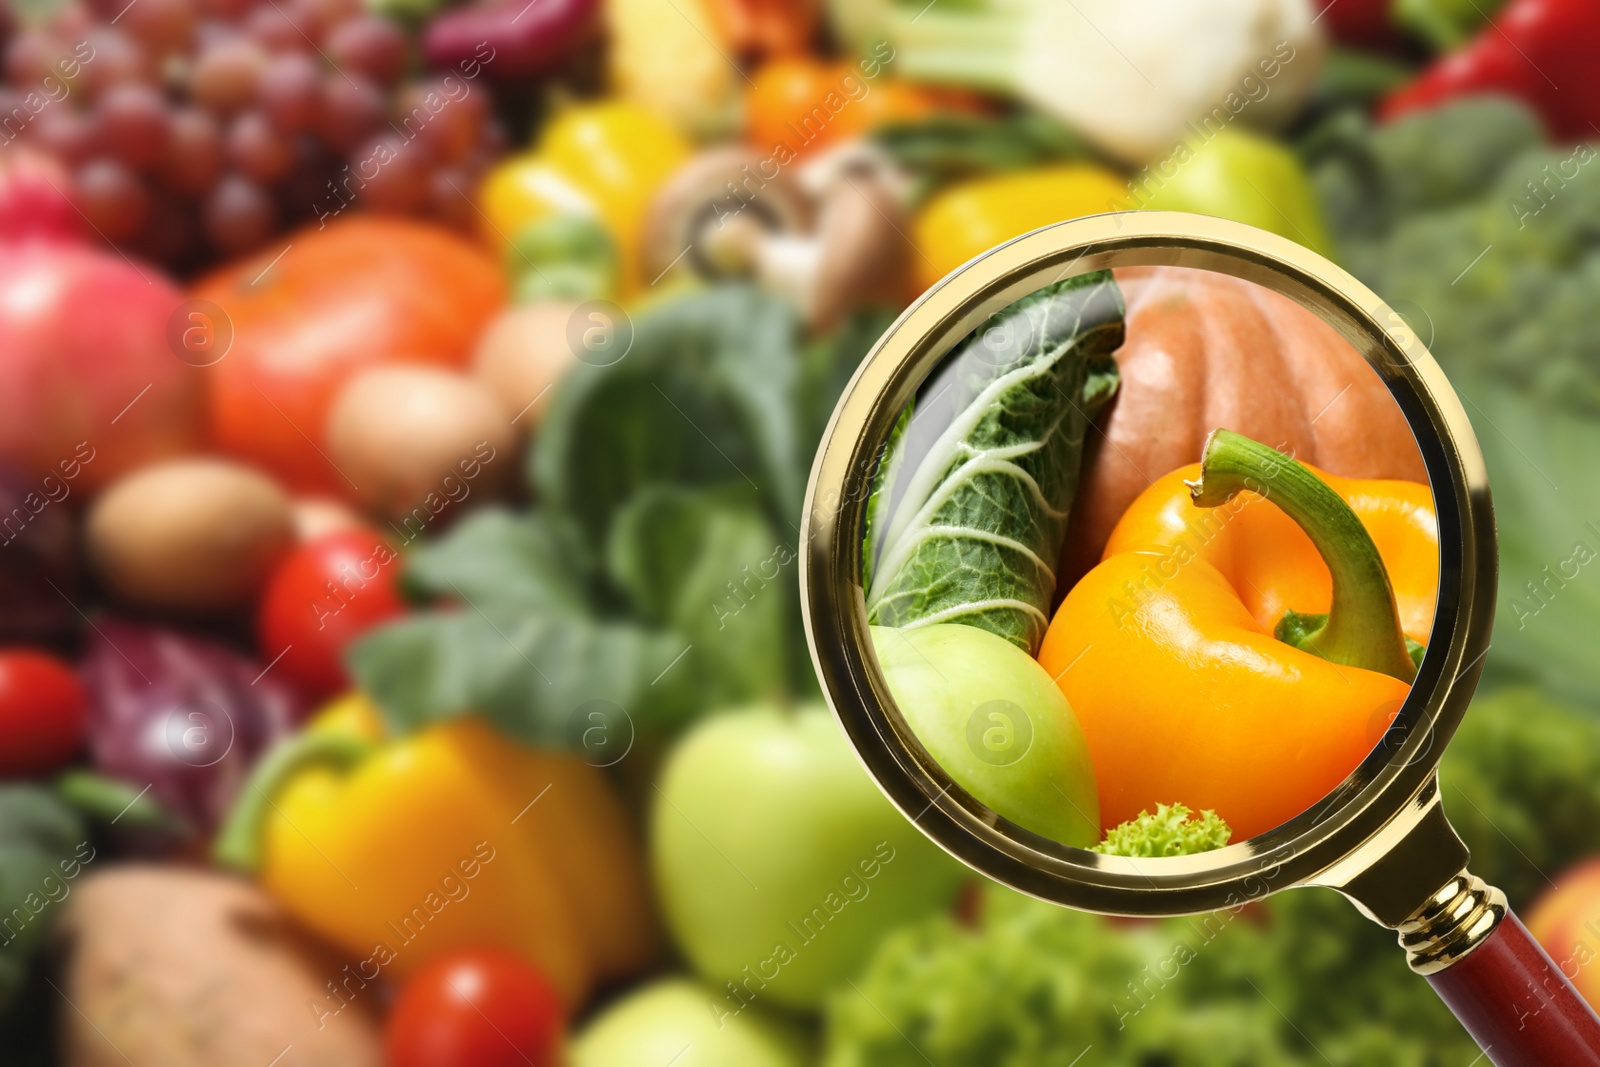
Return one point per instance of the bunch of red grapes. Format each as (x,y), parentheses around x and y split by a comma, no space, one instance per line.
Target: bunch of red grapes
(193,128)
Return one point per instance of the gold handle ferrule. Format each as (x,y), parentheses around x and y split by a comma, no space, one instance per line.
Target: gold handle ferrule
(1456,919)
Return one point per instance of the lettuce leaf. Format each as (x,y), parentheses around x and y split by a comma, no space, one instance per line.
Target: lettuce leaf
(970,504)
(1034,984)
(708,394)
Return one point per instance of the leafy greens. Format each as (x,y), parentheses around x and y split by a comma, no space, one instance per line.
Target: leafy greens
(38,835)
(1034,984)
(969,506)
(657,572)
(1485,239)
(1169,830)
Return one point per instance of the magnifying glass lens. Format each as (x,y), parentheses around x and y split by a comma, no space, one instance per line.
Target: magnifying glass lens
(1149,561)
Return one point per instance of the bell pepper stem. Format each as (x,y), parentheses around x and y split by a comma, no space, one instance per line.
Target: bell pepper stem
(238,843)
(1362,627)
(1294,626)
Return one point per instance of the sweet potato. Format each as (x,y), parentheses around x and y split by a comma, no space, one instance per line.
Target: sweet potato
(188,968)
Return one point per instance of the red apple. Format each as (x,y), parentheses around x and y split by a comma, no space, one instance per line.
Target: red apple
(1566,921)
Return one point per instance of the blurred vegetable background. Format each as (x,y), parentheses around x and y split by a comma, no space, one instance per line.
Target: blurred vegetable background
(405,409)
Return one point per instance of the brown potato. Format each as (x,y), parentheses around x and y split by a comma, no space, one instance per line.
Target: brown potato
(190,535)
(522,355)
(409,436)
(188,968)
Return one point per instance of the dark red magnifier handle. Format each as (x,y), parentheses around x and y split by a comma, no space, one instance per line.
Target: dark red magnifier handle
(1517,1004)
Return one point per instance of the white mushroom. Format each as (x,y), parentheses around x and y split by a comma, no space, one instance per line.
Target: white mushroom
(846,248)
(727,189)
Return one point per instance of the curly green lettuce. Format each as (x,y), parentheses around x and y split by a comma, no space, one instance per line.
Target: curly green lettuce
(1033,984)
(1170,830)
(1036,985)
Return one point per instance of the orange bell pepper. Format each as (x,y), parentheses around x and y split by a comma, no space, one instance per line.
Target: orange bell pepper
(1197,655)
(799,104)
(1269,559)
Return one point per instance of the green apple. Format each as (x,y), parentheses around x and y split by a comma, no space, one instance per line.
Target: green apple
(672,1022)
(778,863)
(995,721)
(1247,177)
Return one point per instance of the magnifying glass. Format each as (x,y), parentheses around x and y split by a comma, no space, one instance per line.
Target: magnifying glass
(1251,684)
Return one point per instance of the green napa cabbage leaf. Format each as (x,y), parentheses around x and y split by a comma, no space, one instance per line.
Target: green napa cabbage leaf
(969,505)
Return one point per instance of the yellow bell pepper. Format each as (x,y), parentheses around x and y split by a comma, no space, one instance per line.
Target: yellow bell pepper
(602,161)
(398,850)
(973,216)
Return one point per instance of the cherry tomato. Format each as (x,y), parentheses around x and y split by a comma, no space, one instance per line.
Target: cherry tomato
(43,712)
(476,1008)
(324,594)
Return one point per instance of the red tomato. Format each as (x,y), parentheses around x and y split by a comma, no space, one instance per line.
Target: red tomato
(318,307)
(43,713)
(323,595)
(476,1008)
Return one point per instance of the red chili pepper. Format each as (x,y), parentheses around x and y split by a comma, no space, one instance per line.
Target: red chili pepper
(1539,51)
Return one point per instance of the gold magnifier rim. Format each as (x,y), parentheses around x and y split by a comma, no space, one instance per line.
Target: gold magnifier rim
(1391,780)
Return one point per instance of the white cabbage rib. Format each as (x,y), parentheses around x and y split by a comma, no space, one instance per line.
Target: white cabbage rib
(967,517)
(977,607)
(907,529)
